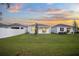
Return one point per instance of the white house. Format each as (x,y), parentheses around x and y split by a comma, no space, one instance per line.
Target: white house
(12,30)
(42,29)
(17,29)
(31,29)
(61,28)
(18,26)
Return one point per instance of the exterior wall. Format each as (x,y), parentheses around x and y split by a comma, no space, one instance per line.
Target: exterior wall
(7,32)
(71,31)
(24,28)
(40,31)
(54,30)
(58,29)
(31,29)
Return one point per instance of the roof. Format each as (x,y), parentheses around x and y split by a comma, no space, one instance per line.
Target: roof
(62,25)
(39,25)
(1,25)
(17,24)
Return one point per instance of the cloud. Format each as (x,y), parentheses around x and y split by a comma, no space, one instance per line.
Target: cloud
(49,13)
(35,11)
(60,13)
(54,11)
(15,8)
(74,7)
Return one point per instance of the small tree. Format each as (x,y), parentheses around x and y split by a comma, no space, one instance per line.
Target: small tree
(36,28)
(75,27)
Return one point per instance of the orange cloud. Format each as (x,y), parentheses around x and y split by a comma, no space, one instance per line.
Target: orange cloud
(15,8)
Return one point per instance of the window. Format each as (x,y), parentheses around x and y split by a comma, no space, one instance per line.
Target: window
(44,30)
(21,27)
(61,29)
(15,27)
(68,29)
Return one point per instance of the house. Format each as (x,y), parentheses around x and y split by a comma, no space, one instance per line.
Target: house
(41,29)
(17,29)
(62,28)
(13,26)
(31,29)
(12,30)
(44,29)
(17,26)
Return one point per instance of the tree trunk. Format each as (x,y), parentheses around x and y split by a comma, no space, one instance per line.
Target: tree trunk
(36,28)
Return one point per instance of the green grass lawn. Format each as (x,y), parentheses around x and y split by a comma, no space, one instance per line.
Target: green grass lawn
(40,45)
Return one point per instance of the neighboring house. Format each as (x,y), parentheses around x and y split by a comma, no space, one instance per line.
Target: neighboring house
(18,26)
(42,29)
(61,28)
(12,30)
(31,29)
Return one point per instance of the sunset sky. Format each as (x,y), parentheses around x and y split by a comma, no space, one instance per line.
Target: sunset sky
(37,10)
(40,11)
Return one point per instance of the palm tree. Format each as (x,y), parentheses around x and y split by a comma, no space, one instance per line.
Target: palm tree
(75,26)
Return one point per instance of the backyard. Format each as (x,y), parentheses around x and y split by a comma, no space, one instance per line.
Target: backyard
(40,45)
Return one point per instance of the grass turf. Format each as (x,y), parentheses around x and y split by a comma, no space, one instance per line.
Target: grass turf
(40,45)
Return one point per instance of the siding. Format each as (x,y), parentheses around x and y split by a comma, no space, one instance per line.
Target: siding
(7,32)
(48,31)
(31,29)
(58,29)
(54,30)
